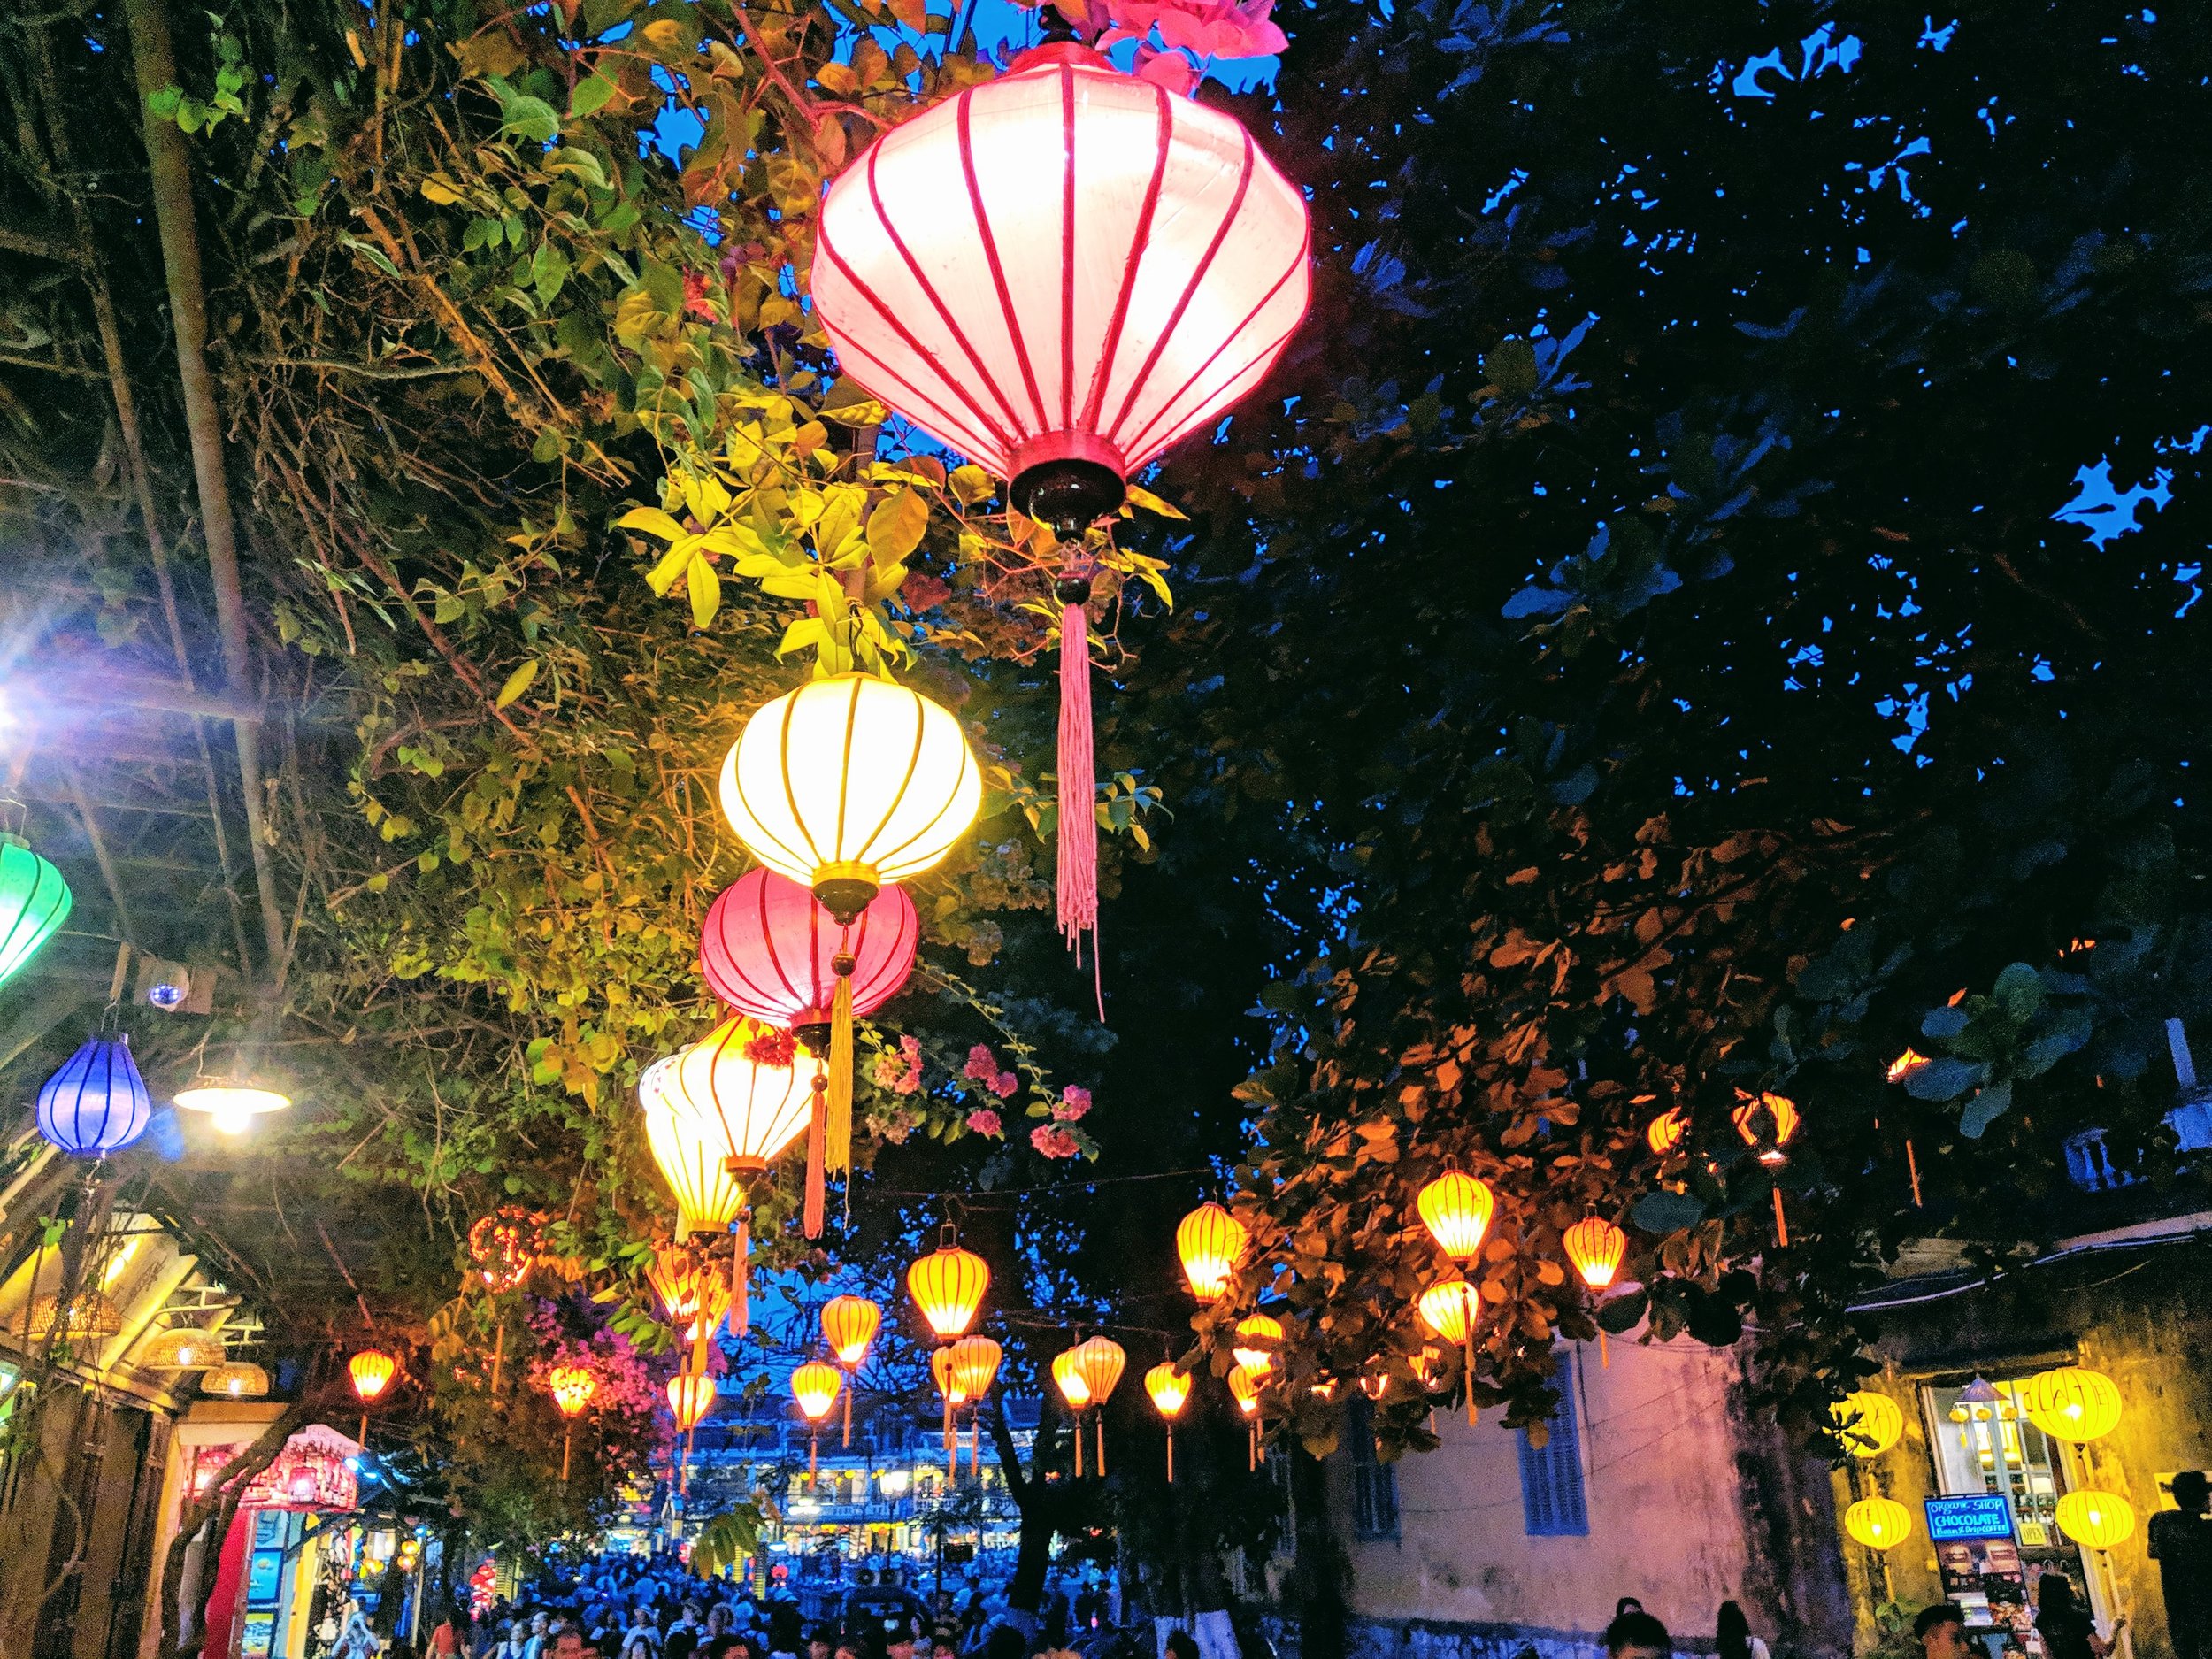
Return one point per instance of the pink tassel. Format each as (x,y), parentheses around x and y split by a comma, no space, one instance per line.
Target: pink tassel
(1078,876)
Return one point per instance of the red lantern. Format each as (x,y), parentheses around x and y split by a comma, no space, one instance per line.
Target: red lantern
(770,949)
(1060,273)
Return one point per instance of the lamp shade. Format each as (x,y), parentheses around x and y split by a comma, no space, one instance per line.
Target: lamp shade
(1061,272)
(97,1103)
(1868,1423)
(768,949)
(505,1245)
(850,1325)
(679,1280)
(1595,1246)
(1245,1386)
(236,1379)
(947,1285)
(231,1106)
(1767,1122)
(1450,1309)
(1169,1389)
(815,1386)
(371,1369)
(690,1396)
(1456,1209)
(2095,1520)
(33,902)
(88,1315)
(1210,1241)
(188,1347)
(571,1387)
(2071,1403)
(848,783)
(1098,1361)
(740,1076)
(688,1145)
(1067,1376)
(1258,1336)
(942,1373)
(975,1363)
(1879,1522)
(1665,1132)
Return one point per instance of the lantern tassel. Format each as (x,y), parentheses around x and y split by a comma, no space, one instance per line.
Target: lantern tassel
(816,1151)
(1912,1167)
(838,1152)
(849,1415)
(1171,1453)
(499,1356)
(568,1444)
(1781,1227)
(741,1270)
(1077,877)
(1078,1448)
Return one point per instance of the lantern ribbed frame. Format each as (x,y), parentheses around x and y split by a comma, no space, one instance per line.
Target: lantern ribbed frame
(1099,1361)
(769,947)
(851,783)
(1062,264)
(236,1379)
(1262,1334)
(2094,1519)
(95,1102)
(1450,1309)
(1595,1246)
(34,901)
(690,1149)
(571,1387)
(2071,1403)
(942,1373)
(1665,1132)
(815,1386)
(849,1324)
(1767,1122)
(186,1348)
(1456,1209)
(1168,1388)
(691,1395)
(975,1363)
(1067,1376)
(505,1245)
(1879,1522)
(372,1371)
(761,1106)
(1246,1385)
(948,1284)
(678,1280)
(1210,1241)
(1867,1423)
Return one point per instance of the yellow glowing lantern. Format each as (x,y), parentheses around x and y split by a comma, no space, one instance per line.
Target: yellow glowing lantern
(1767,1124)
(2095,1520)
(947,1285)
(1879,1522)
(678,1281)
(2071,1403)
(572,1387)
(1665,1132)
(1170,1391)
(1595,1246)
(1246,1387)
(688,1146)
(1450,1309)
(1868,1423)
(1457,1207)
(372,1371)
(1067,1376)
(815,1386)
(1262,1336)
(1209,1240)
(690,1397)
(975,1363)
(1099,1361)
(850,1325)
(848,783)
(740,1077)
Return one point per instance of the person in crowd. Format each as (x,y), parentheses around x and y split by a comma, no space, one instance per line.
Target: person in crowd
(1732,1634)
(2068,1629)
(1940,1629)
(568,1641)
(1181,1645)
(682,1636)
(2181,1543)
(1637,1635)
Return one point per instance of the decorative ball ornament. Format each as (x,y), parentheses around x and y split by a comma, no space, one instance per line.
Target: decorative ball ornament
(1061,272)
(232,1107)
(1595,1246)
(1767,1122)
(372,1371)
(187,1347)
(1456,1209)
(947,1285)
(691,1395)
(1879,1522)
(849,783)
(236,1379)
(2095,1520)
(1868,1424)
(1210,1241)
(34,901)
(2072,1404)
(1262,1334)
(97,1102)
(850,1325)
(505,1245)
(1450,1309)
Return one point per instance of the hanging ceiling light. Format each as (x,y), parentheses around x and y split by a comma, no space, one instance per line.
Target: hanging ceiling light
(770,950)
(232,1107)
(87,1317)
(236,1379)
(34,901)
(187,1347)
(97,1102)
(848,783)
(740,1076)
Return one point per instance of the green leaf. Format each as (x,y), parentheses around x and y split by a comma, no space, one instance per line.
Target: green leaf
(1943,1077)
(1664,1211)
(1985,1109)
(522,115)
(664,283)
(592,93)
(516,684)
(2019,991)
(1624,1313)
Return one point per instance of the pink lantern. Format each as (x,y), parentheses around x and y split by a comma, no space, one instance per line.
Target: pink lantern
(770,949)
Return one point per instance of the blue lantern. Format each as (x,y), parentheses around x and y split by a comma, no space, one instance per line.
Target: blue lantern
(97,1102)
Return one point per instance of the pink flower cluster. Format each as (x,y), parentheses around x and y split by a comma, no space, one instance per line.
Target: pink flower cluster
(1053,1142)
(1177,38)
(1072,1103)
(983,1121)
(983,1068)
(900,1069)
(771,1047)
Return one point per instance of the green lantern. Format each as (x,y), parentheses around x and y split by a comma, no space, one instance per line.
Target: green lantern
(33,902)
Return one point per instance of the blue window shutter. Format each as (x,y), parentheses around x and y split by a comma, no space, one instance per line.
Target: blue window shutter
(1553,1503)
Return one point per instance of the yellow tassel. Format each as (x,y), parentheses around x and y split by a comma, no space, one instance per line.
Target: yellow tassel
(837,1156)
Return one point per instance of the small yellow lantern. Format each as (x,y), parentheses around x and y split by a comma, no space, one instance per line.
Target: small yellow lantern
(1868,1423)
(1457,1208)
(1767,1122)
(1595,1246)
(850,1325)
(1170,1391)
(1246,1387)
(1879,1522)
(372,1371)
(947,1285)
(1262,1336)
(1451,1309)
(690,1397)
(2095,1520)
(2071,1403)
(1665,1132)
(815,1386)
(1067,1376)
(1087,1376)
(571,1387)
(1209,1240)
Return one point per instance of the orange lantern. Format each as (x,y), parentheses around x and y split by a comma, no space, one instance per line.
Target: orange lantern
(975,1363)
(947,1285)
(690,1396)
(373,1372)
(571,1387)
(1457,1207)
(1767,1122)
(1209,1240)
(850,1325)
(505,1246)
(1595,1246)
(1170,1390)
(1665,1132)
(1087,1376)
(1244,1386)
(1451,1310)
(1263,1335)
(815,1386)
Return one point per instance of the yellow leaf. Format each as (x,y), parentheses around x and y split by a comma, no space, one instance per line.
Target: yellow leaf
(653,521)
(895,527)
(972,484)
(1139,496)
(705,590)
(517,683)
(663,576)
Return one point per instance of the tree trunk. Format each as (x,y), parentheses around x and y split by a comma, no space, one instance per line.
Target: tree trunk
(1321,1569)
(165,159)
(1038,1502)
(215,1511)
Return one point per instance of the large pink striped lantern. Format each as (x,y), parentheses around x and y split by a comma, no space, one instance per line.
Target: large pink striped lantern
(1060,273)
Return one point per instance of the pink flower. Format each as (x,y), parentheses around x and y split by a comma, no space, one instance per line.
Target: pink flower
(911,1048)
(1074,1102)
(910,1084)
(983,1121)
(1004,1085)
(770,1047)
(1053,1141)
(1208,28)
(696,304)
(1170,69)
(890,1068)
(982,1063)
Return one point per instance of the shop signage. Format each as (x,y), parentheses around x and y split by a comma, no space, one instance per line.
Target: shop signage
(1976,1515)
